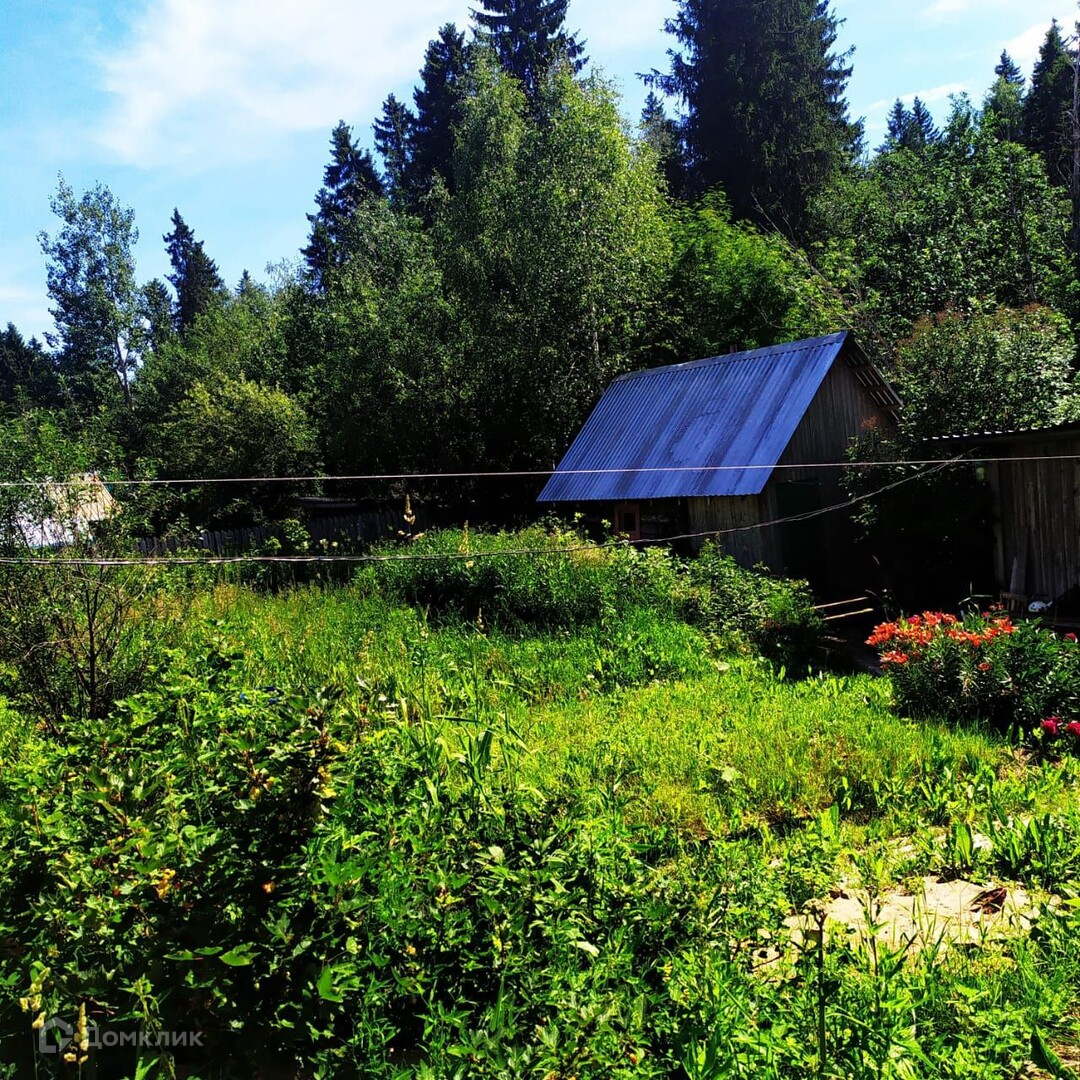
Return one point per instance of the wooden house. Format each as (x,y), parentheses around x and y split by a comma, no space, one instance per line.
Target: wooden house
(1035,478)
(62,513)
(729,446)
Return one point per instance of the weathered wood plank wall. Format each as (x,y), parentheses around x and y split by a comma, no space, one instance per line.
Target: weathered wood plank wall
(1038,504)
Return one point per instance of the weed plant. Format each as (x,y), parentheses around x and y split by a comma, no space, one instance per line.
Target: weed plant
(340,835)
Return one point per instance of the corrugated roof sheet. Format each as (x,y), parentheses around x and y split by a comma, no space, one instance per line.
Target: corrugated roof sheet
(685,426)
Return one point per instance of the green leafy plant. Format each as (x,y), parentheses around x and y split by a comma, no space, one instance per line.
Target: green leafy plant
(980,668)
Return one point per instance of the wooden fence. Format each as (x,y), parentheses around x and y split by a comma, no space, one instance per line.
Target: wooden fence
(342,529)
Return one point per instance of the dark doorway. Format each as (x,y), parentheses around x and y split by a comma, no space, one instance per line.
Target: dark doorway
(802,543)
(628,519)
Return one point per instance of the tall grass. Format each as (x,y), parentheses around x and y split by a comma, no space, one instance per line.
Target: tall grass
(341,836)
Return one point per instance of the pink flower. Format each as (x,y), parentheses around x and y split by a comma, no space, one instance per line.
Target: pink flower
(1070,637)
(1073,727)
(1050,725)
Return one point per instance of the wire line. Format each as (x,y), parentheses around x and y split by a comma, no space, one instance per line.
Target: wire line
(537,473)
(231,560)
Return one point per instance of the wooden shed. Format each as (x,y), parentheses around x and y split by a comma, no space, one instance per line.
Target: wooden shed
(1035,478)
(731,445)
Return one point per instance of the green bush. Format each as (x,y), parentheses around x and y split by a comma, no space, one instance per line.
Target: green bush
(980,668)
(334,889)
(76,638)
(532,578)
(776,615)
(564,581)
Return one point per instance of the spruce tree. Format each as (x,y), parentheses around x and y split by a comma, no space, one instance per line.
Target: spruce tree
(28,376)
(528,37)
(662,134)
(438,107)
(921,130)
(912,128)
(896,125)
(763,96)
(394,142)
(1008,70)
(349,179)
(1003,109)
(194,274)
(1047,105)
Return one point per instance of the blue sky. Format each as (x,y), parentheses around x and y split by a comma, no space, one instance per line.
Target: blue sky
(223,108)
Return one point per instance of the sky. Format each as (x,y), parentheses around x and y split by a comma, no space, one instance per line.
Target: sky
(223,108)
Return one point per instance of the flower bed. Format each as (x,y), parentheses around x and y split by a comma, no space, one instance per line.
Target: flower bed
(982,667)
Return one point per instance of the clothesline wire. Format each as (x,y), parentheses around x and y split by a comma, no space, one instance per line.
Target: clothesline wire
(461,555)
(530,473)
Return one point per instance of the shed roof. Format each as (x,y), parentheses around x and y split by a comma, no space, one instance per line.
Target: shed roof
(710,427)
(1046,432)
(66,511)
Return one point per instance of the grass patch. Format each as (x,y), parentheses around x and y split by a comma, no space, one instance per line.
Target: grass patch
(341,837)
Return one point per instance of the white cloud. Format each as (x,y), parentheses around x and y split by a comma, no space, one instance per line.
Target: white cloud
(220,79)
(201,82)
(941,10)
(931,96)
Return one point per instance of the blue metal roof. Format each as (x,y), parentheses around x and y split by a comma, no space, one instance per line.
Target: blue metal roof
(685,420)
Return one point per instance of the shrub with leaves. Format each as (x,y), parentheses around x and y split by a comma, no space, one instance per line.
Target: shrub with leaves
(76,633)
(556,578)
(535,577)
(979,668)
(342,888)
(776,615)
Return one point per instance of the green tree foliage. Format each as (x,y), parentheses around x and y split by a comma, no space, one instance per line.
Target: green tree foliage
(987,371)
(911,128)
(417,146)
(662,135)
(394,143)
(982,370)
(1004,105)
(234,427)
(377,344)
(194,274)
(99,308)
(438,107)
(736,287)
(1007,69)
(1046,124)
(28,375)
(349,179)
(969,219)
(763,91)
(158,313)
(557,247)
(484,338)
(1003,109)
(529,38)
(243,338)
